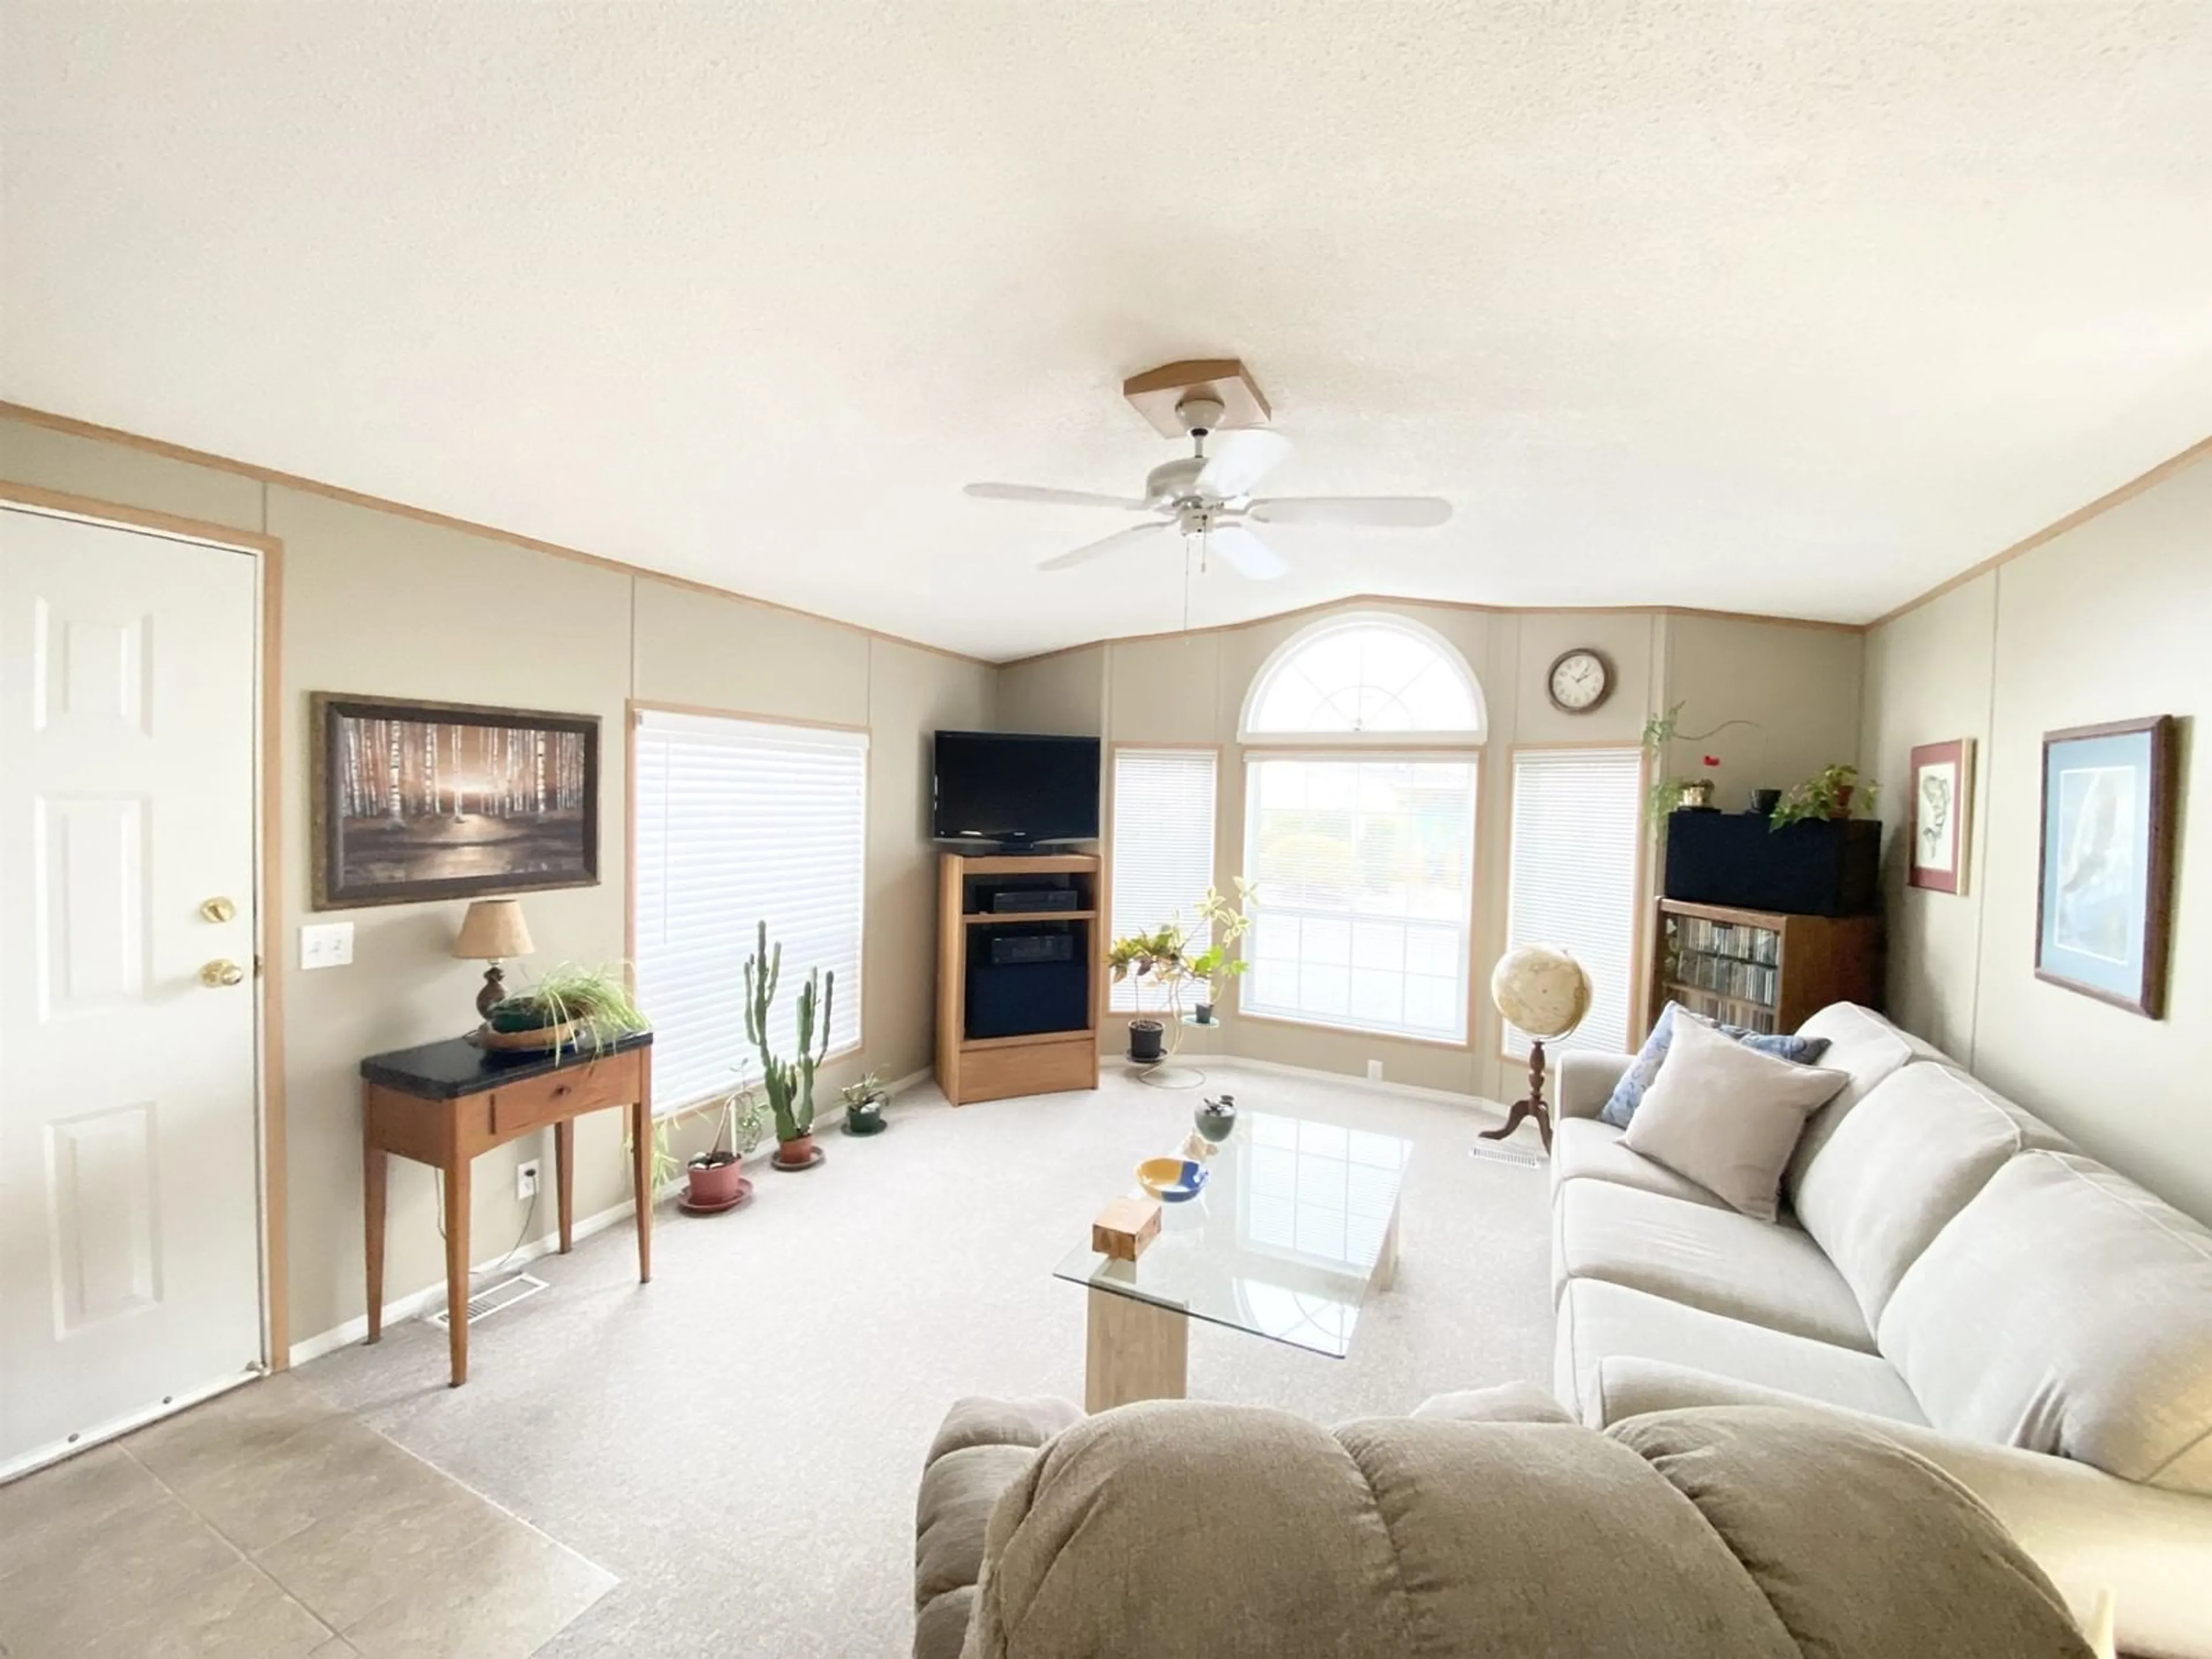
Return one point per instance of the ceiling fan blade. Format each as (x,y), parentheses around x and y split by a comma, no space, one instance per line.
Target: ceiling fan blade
(1007,492)
(1247,556)
(1242,457)
(1410,511)
(1091,549)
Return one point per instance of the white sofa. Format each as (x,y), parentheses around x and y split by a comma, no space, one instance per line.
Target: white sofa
(1946,1264)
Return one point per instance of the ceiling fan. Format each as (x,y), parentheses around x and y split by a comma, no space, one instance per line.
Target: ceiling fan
(1208,497)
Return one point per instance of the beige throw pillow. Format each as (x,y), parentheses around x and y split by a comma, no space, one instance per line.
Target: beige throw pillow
(1727,1116)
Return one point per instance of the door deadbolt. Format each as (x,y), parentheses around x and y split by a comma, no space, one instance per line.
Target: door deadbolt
(217,909)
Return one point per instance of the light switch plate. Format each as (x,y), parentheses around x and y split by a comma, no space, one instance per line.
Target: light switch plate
(326,944)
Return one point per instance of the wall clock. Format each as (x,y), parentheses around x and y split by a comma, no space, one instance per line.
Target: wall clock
(1579,681)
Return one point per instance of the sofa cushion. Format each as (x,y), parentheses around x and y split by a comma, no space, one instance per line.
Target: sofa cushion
(1583,1146)
(1598,1320)
(1905,1161)
(1628,1092)
(1866,1049)
(1785,1488)
(2067,1310)
(1708,1258)
(983,1447)
(1726,1115)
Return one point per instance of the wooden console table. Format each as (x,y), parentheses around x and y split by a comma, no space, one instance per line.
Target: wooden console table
(444,1103)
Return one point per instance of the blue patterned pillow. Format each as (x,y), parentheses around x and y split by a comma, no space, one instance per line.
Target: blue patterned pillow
(1628,1093)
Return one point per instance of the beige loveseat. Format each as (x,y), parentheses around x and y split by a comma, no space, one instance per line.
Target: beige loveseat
(1949,1264)
(1180,1530)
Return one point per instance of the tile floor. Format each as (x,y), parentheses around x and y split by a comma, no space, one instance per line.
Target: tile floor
(268,1524)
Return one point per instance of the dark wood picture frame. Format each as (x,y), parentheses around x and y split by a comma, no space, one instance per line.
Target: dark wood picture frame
(570,832)
(2147,998)
(1959,754)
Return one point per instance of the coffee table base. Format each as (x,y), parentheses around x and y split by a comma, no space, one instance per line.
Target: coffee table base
(1134,1350)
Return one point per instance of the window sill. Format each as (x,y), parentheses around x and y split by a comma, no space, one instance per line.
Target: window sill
(1459,1043)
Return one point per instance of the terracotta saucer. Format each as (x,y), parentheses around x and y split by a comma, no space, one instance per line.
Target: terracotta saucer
(744,1192)
(775,1161)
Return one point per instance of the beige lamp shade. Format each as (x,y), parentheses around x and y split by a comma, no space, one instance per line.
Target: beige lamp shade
(494,930)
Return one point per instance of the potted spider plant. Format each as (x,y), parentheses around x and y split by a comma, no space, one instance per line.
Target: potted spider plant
(864,1106)
(569,1007)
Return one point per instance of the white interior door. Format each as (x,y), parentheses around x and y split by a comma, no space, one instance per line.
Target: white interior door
(129,1182)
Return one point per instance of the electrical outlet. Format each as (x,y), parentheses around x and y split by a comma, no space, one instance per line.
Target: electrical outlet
(525,1181)
(1374,1071)
(326,944)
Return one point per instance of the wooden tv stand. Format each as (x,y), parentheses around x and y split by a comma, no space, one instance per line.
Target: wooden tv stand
(1046,1062)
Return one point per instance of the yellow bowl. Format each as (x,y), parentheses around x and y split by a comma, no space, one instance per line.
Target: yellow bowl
(1171,1179)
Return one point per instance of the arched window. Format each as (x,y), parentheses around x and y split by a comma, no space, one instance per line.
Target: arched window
(1361,677)
(1359,799)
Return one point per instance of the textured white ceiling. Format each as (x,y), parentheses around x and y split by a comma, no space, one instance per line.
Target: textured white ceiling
(1784,307)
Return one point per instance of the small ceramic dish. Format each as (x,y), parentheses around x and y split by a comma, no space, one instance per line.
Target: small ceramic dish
(1171,1180)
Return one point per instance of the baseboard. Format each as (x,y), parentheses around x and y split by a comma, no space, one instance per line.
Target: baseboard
(431,1297)
(1346,1079)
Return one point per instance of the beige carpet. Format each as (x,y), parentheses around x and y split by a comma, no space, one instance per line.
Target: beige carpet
(739,1441)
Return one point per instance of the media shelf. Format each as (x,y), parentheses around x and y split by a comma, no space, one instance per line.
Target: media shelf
(1766,970)
(1035,970)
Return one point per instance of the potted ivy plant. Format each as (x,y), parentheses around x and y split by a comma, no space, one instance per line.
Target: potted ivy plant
(1218,963)
(1828,793)
(1157,955)
(715,1178)
(864,1106)
(569,1007)
(788,1084)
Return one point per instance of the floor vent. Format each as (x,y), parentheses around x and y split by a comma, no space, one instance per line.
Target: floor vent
(1508,1155)
(495,1299)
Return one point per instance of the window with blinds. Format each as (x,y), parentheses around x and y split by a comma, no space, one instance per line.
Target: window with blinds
(1364,873)
(1163,849)
(1578,833)
(738,822)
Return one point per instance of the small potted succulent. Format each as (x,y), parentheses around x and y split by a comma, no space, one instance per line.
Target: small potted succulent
(1826,794)
(715,1179)
(789,1083)
(864,1106)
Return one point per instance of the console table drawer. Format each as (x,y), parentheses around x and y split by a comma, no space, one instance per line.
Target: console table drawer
(541,1100)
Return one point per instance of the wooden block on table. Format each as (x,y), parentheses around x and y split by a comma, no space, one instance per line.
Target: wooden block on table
(1125,1227)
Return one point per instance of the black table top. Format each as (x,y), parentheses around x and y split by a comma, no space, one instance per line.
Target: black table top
(457,1066)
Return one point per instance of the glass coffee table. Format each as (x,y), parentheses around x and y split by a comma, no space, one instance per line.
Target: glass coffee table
(1297,1227)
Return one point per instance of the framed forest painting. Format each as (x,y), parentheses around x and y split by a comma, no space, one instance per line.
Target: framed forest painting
(2105,875)
(434,800)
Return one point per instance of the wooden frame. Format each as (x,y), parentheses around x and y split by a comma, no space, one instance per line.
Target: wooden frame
(269,748)
(332,891)
(1957,811)
(2146,994)
(1104,938)
(632,709)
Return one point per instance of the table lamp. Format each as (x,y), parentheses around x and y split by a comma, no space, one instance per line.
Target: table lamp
(492,932)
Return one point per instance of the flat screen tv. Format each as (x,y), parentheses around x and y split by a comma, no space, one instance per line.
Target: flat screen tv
(1014,789)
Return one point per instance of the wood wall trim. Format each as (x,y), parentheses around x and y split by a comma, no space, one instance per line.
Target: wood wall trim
(276,1273)
(265,475)
(2050,532)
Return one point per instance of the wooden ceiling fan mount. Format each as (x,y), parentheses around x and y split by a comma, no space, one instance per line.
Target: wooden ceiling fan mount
(1171,396)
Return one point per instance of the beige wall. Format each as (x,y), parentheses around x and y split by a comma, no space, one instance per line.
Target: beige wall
(379,603)
(2105,622)
(1801,683)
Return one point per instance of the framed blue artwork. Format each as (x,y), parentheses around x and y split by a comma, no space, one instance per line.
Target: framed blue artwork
(2104,904)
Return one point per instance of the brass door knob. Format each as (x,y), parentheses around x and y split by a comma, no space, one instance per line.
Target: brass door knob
(220,973)
(217,909)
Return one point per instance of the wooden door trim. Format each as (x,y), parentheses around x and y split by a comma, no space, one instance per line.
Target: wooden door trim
(268,762)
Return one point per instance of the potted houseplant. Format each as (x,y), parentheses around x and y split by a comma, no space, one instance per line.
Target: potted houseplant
(583,1006)
(1219,963)
(788,1084)
(1826,794)
(1158,954)
(1666,792)
(715,1179)
(864,1106)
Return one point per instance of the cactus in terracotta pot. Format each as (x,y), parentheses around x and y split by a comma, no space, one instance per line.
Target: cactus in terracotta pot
(788,1084)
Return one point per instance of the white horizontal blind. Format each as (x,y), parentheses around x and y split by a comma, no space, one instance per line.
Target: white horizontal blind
(1365,873)
(1164,802)
(1576,835)
(739,822)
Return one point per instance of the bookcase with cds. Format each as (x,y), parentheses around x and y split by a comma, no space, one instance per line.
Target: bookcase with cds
(1761,970)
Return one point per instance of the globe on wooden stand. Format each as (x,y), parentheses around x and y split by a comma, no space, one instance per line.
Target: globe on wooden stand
(1544,993)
